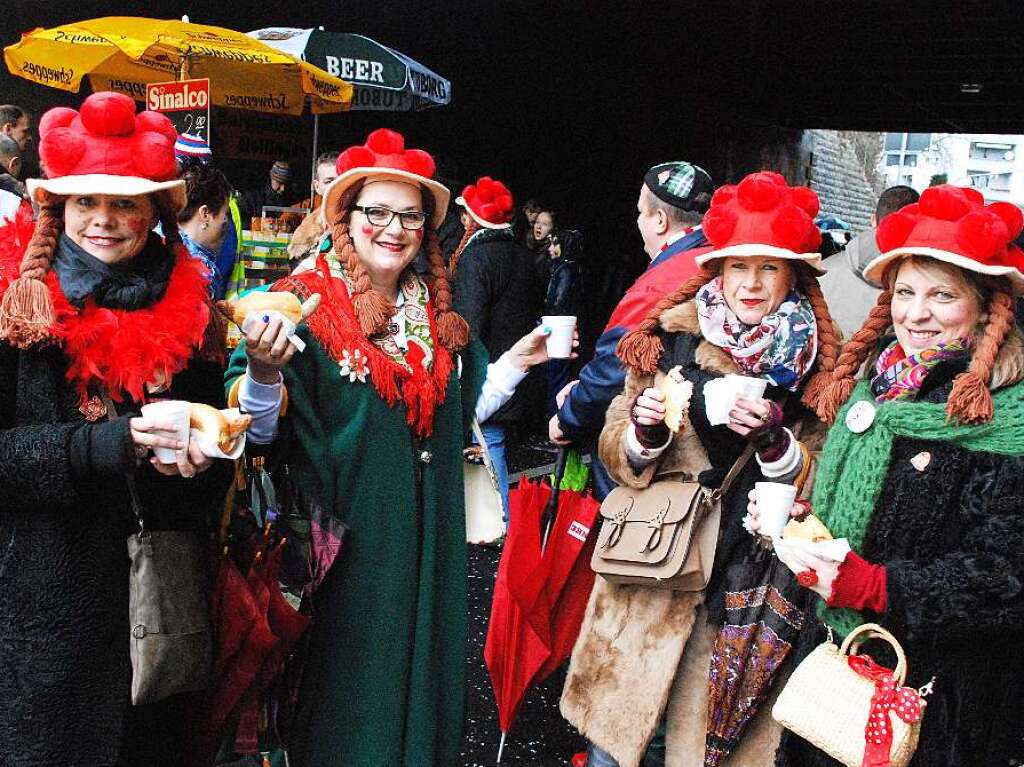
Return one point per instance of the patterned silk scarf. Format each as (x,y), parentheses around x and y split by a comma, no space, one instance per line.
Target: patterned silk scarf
(899,375)
(781,348)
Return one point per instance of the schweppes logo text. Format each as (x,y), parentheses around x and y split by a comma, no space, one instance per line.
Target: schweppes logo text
(45,74)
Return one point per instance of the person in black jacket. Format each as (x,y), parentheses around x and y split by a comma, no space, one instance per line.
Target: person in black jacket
(496,292)
(98,307)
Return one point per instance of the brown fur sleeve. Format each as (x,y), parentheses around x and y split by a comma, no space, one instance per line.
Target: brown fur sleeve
(611,446)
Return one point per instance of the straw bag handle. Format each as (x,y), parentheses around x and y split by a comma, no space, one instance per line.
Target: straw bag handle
(854,639)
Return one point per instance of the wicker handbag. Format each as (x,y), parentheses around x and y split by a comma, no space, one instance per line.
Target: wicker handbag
(839,702)
(665,535)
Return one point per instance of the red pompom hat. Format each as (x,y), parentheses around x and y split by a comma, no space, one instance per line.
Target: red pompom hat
(953,224)
(763,216)
(108,149)
(384,158)
(489,203)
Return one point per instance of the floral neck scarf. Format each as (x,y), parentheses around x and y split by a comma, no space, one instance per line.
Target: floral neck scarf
(781,348)
(899,375)
(412,312)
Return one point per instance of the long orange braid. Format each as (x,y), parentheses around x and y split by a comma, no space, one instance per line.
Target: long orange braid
(828,341)
(452,329)
(26,312)
(471,228)
(970,401)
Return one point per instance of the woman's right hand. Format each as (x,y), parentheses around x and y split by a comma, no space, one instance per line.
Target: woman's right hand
(268,349)
(799,510)
(649,408)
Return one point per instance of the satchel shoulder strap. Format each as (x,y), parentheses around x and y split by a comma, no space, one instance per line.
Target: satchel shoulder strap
(737,468)
(129,476)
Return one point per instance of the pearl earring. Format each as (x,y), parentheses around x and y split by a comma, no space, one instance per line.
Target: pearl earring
(206,225)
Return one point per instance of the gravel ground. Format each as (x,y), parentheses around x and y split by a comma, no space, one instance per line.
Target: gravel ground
(540,737)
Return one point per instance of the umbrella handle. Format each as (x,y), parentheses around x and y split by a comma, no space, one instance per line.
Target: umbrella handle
(560,461)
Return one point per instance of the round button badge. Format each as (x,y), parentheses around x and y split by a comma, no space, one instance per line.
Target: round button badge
(860,417)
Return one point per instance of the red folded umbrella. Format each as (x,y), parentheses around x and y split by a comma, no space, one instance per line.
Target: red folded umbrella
(541,591)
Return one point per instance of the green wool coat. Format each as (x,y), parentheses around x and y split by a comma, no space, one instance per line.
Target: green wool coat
(384,681)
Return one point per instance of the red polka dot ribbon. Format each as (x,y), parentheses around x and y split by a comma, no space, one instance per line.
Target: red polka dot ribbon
(905,702)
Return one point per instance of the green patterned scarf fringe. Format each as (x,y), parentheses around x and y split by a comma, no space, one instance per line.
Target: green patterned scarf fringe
(853,467)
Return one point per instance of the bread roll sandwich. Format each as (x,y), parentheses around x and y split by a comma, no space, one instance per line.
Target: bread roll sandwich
(216,425)
(264,302)
(810,528)
(677,391)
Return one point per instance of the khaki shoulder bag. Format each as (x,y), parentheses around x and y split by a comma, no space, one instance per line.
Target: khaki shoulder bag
(663,536)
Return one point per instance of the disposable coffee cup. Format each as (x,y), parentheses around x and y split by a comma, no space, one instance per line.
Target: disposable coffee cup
(170,411)
(559,342)
(747,387)
(718,401)
(774,502)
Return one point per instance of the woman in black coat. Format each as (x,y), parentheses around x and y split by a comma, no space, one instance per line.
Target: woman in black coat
(94,305)
(923,476)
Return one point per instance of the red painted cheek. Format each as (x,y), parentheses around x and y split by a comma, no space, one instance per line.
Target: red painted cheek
(367,229)
(140,225)
(418,234)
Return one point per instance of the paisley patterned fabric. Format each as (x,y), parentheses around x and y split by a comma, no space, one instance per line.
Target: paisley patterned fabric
(899,375)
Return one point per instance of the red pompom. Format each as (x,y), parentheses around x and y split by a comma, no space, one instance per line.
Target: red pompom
(1011,215)
(973,195)
(154,156)
(792,229)
(944,202)
(505,203)
(723,194)
(155,121)
(60,150)
(419,162)
(894,229)
(58,117)
(108,114)
(386,141)
(982,235)
(355,157)
(719,224)
(484,192)
(805,199)
(759,191)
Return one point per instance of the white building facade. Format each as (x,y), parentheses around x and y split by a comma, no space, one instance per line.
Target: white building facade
(991,163)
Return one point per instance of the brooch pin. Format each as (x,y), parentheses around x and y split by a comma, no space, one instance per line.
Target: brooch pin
(93,409)
(355,365)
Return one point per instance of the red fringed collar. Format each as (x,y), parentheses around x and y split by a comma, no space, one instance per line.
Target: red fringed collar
(118,349)
(335,326)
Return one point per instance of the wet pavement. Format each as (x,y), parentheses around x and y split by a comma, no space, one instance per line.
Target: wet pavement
(539,737)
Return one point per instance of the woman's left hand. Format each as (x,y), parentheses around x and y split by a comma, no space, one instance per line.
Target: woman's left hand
(532,350)
(190,461)
(749,415)
(815,565)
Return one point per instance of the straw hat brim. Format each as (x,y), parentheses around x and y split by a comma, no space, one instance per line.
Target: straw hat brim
(482,221)
(103,183)
(874,272)
(351,177)
(750,250)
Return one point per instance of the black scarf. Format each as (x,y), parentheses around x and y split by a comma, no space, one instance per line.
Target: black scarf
(139,283)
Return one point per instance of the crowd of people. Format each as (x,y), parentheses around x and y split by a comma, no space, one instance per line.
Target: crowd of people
(891,400)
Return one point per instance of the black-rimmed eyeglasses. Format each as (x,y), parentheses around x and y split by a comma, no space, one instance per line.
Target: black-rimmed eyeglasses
(378,215)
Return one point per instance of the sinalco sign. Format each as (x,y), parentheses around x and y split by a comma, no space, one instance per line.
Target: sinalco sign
(185,102)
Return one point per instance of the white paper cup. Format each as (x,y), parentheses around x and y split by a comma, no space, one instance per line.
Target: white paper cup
(559,343)
(747,386)
(718,401)
(774,502)
(172,411)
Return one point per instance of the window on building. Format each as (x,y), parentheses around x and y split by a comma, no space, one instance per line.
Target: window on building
(892,159)
(1000,182)
(894,140)
(910,160)
(907,179)
(980,179)
(918,142)
(986,150)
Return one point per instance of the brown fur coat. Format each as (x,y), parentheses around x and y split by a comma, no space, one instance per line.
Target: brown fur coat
(628,664)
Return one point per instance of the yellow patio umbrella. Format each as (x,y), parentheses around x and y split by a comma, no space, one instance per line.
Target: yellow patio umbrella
(123,53)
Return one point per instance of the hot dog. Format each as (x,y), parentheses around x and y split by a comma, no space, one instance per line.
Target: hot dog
(218,426)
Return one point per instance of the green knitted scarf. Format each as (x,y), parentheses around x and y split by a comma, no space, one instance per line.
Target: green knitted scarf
(853,467)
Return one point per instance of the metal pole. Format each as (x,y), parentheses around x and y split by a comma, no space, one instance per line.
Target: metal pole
(501,746)
(312,178)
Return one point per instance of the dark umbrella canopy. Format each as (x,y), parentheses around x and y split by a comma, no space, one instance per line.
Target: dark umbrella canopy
(384,79)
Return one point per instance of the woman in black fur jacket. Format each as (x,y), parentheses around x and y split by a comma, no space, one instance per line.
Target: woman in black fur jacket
(94,304)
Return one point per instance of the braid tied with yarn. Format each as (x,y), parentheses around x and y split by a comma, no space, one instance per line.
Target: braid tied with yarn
(471,228)
(970,401)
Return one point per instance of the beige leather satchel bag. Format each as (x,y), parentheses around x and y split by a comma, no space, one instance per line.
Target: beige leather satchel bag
(663,536)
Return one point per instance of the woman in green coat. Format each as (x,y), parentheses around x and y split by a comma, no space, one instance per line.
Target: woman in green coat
(377,406)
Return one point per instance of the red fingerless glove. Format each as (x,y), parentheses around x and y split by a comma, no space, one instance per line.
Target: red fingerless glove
(860,584)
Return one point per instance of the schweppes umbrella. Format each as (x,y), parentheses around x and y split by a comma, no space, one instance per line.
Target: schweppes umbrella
(123,53)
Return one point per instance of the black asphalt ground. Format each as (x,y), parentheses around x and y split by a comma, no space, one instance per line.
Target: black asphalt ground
(540,737)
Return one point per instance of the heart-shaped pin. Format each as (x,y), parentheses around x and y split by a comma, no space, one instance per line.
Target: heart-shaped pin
(921,460)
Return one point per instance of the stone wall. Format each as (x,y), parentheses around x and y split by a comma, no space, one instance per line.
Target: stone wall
(837,176)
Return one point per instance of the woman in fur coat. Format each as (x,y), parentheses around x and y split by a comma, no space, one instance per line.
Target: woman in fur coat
(94,305)
(754,309)
(923,475)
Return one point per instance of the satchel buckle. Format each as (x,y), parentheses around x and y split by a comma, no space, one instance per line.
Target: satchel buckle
(139,632)
(656,523)
(618,524)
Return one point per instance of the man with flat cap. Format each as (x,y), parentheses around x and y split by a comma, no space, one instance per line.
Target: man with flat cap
(673,199)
